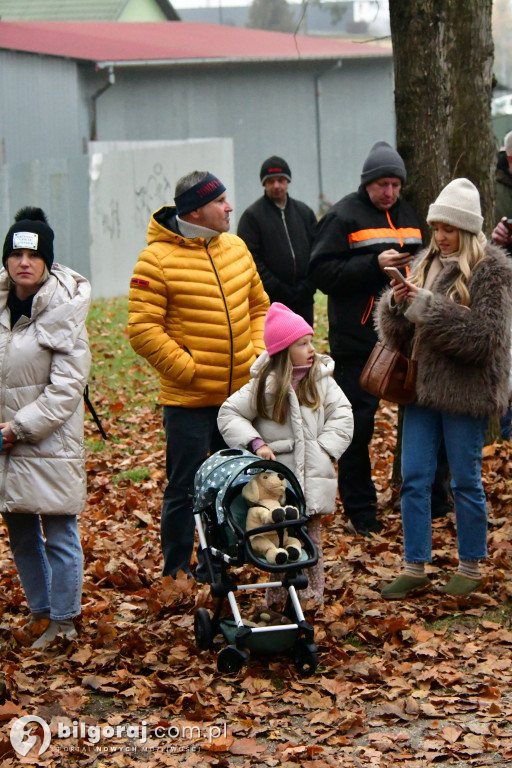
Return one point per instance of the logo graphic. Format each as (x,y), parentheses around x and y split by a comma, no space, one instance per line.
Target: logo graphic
(22,738)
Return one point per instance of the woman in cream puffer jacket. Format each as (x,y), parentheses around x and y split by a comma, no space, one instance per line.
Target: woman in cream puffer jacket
(44,366)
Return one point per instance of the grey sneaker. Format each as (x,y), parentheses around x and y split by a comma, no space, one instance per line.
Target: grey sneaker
(63,628)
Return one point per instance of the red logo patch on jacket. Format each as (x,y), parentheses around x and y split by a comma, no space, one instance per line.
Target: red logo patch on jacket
(139,282)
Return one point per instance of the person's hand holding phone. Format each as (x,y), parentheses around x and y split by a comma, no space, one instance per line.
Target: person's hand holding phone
(403,290)
(502,234)
(394,258)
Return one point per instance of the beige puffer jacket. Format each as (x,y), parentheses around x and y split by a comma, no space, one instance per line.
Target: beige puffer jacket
(44,366)
(308,443)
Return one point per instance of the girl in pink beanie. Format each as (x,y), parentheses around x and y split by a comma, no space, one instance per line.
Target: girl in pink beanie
(293,411)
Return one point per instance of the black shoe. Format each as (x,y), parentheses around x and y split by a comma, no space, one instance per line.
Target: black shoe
(364,526)
(441,510)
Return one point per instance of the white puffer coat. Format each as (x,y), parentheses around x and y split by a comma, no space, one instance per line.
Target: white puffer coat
(44,366)
(308,443)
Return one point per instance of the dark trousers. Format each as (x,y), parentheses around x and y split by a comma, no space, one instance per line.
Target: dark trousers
(357,491)
(191,435)
(441,499)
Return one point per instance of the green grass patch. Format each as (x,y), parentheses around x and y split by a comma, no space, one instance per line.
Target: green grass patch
(117,373)
(135,475)
(116,370)
(321,323)
(501,616)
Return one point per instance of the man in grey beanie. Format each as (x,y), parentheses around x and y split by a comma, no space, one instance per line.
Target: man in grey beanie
(358,237)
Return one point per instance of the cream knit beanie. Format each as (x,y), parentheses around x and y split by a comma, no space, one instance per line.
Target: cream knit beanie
(458,204)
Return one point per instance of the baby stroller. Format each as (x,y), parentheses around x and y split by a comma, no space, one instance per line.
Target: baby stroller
(220,513)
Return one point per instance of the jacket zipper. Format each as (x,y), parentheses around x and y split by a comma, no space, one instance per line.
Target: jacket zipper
(407,270)
(228,318)
(369,306)
(394,230)
(294,259)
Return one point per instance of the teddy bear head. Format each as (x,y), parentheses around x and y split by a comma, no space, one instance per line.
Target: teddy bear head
(265,485)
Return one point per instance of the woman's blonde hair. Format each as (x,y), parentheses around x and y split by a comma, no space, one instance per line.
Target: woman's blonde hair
(470,253)
(279,367)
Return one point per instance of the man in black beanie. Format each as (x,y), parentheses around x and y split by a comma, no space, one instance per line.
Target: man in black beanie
(360,235)
(278,231)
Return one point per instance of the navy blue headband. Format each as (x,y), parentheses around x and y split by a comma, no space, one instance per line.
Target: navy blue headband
(210,188)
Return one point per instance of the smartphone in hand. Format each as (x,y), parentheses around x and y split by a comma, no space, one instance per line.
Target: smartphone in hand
(395,273)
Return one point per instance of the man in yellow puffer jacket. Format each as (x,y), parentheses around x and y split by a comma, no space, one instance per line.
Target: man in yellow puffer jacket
(196,313)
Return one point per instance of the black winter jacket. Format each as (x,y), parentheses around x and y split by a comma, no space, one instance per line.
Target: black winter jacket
(344,265)
(280,243)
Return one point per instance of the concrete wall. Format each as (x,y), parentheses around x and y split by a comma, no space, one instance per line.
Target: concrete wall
(128,182)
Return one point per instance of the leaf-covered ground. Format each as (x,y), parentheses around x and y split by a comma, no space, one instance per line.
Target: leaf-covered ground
(410,683)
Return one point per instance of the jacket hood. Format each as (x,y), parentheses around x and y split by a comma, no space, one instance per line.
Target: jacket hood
(59,308)
(325,367)
(163,227)
(502,161)
(503,176)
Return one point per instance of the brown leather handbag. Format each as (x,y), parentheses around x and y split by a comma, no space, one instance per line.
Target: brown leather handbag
(389,375)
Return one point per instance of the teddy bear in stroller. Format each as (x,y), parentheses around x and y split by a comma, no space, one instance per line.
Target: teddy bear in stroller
(265,494)
(249,510)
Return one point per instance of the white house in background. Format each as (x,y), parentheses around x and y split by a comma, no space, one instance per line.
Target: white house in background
(319,102)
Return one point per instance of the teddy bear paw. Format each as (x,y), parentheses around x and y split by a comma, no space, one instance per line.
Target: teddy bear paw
(278,515)
(291,513)
(293,553)
(281,557)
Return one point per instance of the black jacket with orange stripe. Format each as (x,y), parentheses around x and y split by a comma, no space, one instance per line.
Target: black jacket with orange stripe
(344,265)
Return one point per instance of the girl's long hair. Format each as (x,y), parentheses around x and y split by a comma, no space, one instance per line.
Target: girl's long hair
(279,368)
(471,252)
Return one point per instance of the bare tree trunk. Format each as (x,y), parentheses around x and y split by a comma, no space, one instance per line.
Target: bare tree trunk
(443,61)
(443,57)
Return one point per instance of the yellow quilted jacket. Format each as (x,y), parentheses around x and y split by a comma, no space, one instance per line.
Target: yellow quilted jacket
(196,313)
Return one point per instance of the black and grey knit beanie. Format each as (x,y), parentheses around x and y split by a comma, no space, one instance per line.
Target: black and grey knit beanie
(31,231)
(275,166)
(383,161)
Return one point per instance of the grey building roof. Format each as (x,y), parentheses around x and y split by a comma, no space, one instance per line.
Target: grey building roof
(73,10)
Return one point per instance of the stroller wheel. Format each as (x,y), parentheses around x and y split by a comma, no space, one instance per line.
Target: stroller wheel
(231,659)
(203,629)
(305,657)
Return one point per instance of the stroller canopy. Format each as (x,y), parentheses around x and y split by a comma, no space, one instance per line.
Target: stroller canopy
(228,468)
(215,476)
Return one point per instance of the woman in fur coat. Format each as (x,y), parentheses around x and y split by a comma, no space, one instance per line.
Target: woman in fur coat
(44,364)
(293,411)
(455,313)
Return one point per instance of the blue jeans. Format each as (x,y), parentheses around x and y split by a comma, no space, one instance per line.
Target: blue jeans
(191,434)
(48,555)
(506,423)
(464,437)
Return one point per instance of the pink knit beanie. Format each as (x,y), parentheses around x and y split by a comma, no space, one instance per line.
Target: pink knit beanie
(282,328)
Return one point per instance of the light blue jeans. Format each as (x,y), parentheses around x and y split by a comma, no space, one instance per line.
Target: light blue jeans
(48,555)
(464,437)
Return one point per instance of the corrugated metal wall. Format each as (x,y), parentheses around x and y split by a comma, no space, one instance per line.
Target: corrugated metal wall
(266,109)
(42,112)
